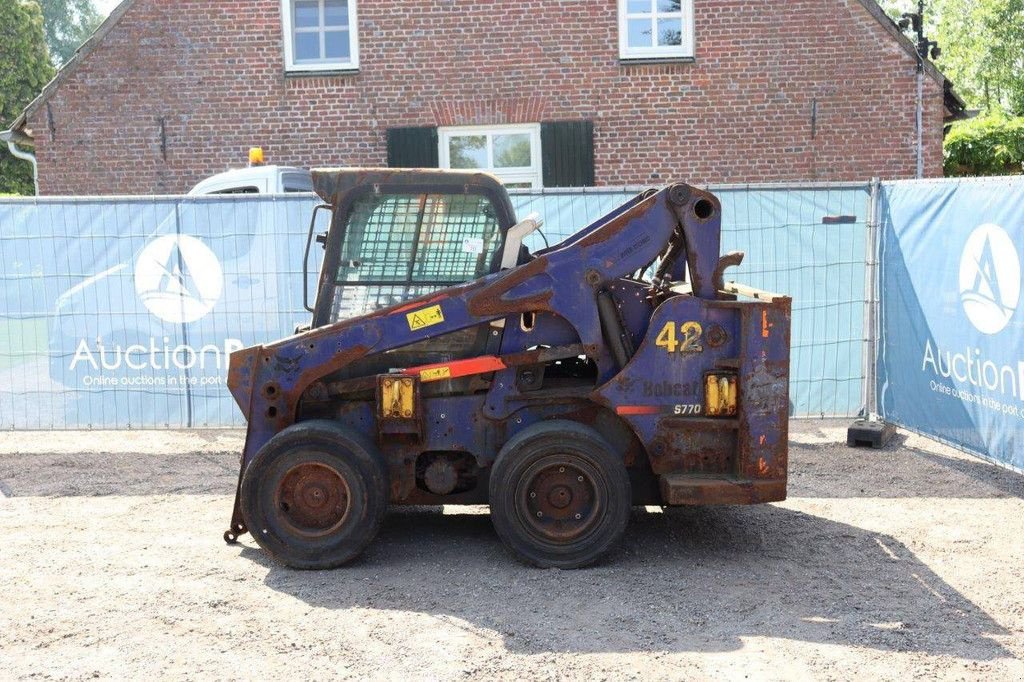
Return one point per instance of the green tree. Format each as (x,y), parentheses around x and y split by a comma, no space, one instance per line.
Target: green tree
(24,69)
(68,24)
(983,52)
(982,45)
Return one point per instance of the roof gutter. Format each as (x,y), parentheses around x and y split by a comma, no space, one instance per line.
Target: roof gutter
(15,137)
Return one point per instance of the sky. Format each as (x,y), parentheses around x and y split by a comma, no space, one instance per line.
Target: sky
(104,6)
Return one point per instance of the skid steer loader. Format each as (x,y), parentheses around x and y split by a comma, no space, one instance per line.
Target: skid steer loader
(445,364)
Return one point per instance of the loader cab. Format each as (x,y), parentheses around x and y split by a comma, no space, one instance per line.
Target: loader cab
(400,234)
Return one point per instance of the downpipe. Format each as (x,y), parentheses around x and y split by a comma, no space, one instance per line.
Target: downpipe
(12,146)
(920,119)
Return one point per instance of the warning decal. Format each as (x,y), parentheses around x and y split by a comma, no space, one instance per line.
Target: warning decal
(436,374)
(427,317)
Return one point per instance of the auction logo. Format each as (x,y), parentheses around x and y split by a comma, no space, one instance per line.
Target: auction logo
(178,278)
(990,278)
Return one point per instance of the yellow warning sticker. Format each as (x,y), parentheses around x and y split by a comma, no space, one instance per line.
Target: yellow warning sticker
(436,374)
(427,317)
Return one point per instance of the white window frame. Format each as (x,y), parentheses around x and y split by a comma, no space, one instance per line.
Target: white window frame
(287,25)
(534,174)
(681,51)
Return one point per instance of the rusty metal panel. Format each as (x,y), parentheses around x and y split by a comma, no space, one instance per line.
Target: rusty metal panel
(684,446)
(680,489)
(764,390)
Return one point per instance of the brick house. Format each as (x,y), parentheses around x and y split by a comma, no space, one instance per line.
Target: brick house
(545,93)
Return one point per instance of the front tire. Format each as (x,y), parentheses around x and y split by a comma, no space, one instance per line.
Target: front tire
(315,495)
(560,496)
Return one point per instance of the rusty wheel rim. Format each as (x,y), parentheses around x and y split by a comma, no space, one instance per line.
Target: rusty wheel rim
(559,499)
(312,499)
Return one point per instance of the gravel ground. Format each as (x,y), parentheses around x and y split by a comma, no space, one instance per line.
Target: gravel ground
(882,564)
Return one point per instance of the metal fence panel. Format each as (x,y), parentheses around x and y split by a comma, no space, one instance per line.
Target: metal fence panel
(120,312)
(806,241)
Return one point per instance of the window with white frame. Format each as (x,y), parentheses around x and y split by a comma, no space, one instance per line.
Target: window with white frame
(655,29)
(510,152)
(320,35)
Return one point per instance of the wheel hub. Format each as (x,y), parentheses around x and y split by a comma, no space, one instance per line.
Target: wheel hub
(312,499)
(558,498)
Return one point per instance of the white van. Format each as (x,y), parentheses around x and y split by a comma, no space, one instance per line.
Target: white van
(257,179)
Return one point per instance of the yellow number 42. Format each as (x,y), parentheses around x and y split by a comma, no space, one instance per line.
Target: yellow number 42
(692,333)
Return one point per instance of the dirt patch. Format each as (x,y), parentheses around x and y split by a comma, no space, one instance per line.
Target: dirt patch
(882,564)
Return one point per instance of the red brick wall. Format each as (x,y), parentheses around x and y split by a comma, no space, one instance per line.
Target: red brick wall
(213,71)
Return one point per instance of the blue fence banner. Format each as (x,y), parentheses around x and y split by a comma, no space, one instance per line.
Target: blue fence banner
(951,358)
(121,312)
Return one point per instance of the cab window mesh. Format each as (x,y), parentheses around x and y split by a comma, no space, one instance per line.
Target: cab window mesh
(400,246)
(427,238)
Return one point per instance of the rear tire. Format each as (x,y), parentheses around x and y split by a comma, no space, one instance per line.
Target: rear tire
(315,495)
(560,496)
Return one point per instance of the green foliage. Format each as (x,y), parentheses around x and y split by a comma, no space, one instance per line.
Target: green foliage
(982,45)
(982,48)
(992,145)
(983,52)
(24,69)
(68,24)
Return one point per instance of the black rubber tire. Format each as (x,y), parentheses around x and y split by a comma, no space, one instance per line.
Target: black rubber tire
(325,445)
(517,465)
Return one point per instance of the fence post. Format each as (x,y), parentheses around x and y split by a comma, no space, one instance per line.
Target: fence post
(869,361)
(869,430)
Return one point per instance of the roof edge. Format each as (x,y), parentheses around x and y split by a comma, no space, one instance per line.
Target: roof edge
(91,43)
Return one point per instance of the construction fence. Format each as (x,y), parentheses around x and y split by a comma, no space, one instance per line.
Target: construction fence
(120,312)
(950,333)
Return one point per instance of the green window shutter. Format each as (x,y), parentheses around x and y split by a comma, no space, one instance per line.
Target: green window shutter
(568,153)
(412,147)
